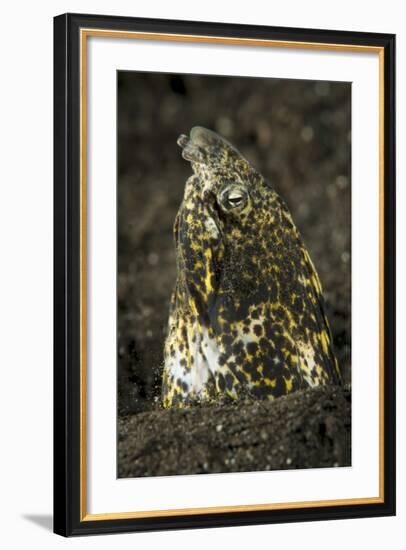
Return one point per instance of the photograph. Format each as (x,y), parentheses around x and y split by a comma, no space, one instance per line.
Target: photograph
(233,274)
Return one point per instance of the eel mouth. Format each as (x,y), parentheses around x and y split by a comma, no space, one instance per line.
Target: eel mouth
(213,224)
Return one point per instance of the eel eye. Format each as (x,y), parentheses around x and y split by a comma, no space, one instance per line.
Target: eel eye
(235,198)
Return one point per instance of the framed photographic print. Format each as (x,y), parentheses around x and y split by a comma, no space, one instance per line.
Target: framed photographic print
(224,274)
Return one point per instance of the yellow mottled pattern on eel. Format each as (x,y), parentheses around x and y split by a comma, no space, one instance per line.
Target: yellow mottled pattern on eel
(247,314)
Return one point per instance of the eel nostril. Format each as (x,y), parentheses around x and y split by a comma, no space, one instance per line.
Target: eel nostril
(182,140)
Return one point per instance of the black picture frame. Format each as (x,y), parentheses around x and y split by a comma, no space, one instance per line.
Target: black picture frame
(68,520)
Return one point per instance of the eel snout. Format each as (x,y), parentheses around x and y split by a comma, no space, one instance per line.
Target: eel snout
(196,146)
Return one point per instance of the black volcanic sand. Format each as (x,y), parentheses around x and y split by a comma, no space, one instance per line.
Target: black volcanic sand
(297,134)
(309,429)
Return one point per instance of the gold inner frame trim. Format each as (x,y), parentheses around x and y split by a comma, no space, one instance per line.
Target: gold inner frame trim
(173,37)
